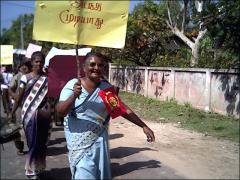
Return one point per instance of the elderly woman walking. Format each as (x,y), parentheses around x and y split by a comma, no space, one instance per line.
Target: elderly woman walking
(86,120)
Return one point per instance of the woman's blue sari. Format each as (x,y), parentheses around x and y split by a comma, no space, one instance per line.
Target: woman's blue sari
(87,134)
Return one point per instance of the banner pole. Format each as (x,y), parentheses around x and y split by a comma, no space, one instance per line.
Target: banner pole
(78,63)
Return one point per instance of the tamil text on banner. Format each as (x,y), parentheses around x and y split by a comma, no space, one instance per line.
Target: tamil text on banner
(6,54)
(31,49)
(94,23)
(113,103)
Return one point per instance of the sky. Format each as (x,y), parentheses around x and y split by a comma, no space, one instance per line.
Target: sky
(11,10)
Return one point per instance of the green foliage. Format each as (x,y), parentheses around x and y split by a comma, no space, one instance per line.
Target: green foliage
(145,38)
(148,37)
(13,34)
(179,59)
(222,20)
(175,8)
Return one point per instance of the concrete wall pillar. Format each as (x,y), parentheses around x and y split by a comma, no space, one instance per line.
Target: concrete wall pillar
(173,83)
(208,90)
(146,82)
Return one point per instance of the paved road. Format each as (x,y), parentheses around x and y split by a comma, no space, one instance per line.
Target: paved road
(127,161)
(12,165)
(176,154)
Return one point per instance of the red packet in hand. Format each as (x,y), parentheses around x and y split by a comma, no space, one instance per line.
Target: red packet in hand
(112,102)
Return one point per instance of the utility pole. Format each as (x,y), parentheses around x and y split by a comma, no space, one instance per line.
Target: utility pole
(21,31)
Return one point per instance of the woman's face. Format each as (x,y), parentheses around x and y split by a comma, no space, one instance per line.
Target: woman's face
(24,69)
(37,63)
(94,68)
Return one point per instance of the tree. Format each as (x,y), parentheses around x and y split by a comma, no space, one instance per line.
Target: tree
(180,19)
(222,19)
(13,34)
(146,35)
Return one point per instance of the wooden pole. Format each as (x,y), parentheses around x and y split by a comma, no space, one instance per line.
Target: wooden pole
(78,63)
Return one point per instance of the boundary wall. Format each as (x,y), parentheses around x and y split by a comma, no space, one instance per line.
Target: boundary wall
(207,89)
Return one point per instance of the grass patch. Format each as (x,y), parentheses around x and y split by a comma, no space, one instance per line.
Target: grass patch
(197,120)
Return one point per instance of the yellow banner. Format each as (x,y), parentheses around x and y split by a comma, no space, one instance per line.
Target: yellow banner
(83,22)
(6,54)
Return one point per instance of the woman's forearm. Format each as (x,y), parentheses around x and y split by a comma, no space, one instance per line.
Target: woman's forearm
(131,116)
(134,119)
(63,107)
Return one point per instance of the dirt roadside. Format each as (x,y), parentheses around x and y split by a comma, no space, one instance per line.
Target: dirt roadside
(176,154)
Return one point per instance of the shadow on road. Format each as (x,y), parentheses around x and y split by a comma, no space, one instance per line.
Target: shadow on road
(118,170)
(56,141)
(121,152)
(59,128)
(54,151)
(56,173)
(115,136)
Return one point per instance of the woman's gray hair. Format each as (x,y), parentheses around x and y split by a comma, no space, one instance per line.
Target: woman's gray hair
(97,54)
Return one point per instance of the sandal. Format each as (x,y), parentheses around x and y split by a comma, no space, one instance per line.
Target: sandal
(31,175)
(20,152)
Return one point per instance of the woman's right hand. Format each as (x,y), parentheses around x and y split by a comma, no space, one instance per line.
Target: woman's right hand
(149,133)
(65,106)
(77,88)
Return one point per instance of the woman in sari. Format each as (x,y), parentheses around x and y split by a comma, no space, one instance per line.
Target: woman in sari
(86,121)
(35,115)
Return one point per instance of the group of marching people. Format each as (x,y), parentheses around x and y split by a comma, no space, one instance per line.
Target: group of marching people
(85,112)
(9,86)
(26,92)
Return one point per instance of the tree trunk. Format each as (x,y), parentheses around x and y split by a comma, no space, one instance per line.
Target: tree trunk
(193,44)
(195,48)
(194,57)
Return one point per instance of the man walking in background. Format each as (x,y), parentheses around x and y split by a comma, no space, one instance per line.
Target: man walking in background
(24,68)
